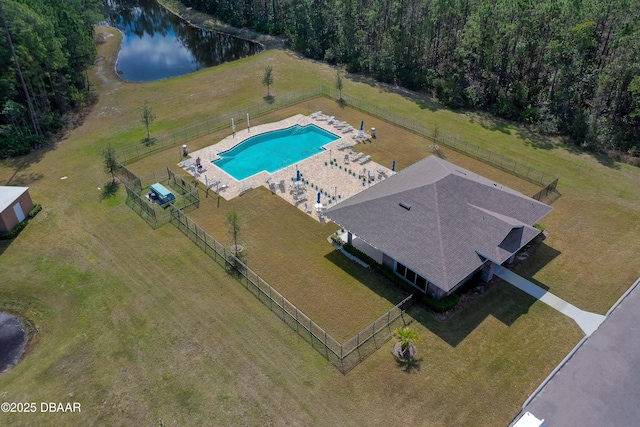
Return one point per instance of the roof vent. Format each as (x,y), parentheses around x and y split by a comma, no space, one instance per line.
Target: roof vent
(405,205)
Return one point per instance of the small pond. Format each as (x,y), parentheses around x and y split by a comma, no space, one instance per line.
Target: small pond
(158,45)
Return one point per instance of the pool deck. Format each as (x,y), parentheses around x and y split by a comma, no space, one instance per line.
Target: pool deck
(335,181)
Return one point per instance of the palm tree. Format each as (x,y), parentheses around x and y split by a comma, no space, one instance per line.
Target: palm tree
(407,339)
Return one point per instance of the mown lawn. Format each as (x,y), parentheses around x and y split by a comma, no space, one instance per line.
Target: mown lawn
(141,328)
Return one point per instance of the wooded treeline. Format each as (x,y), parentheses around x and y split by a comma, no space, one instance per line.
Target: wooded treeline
(45,48)
(570,67)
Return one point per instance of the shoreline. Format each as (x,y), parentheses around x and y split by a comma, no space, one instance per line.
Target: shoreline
(204,21)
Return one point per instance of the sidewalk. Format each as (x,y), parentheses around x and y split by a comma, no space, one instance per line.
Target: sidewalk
(587,321)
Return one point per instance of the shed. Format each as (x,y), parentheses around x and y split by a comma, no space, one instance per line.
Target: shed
(15,205)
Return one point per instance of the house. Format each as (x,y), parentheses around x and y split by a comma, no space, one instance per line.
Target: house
(436,224)
(15,205)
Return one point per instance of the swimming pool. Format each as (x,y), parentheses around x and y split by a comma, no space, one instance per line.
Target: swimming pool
(272,151)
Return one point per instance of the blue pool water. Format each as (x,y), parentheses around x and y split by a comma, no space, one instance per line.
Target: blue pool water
(274,150)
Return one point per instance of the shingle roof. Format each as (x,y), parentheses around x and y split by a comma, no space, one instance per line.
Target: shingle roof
(456,219)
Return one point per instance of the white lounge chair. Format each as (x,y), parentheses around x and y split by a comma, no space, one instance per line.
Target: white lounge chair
(316,114)
(365,159)
(245,187)
(346,159)
(300,197)
(372,175)
(356,156)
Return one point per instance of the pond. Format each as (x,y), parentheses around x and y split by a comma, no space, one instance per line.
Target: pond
(158,45)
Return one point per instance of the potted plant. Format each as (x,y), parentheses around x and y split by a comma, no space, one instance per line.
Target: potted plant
(405,348)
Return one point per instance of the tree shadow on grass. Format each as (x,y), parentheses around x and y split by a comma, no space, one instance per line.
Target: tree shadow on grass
(424,101)
(109,190)
(487,121)
(269,99)
(409,366)
(21,163)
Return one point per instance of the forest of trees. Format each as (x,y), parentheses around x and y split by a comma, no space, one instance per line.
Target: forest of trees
(45,48)
(568,67)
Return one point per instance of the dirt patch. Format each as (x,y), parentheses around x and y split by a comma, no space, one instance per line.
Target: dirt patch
(13,341)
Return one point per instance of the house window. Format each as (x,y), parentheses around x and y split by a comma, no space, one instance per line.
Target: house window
(411,276)
(421,282)
(401,269)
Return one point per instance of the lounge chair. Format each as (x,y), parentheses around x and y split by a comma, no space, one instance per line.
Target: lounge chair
(300,197)
(365,159)
(346,159)
(372,176)
(222,185)
(356,156)
(316,114)
(245,187)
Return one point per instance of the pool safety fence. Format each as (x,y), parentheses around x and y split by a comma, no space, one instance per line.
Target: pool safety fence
(156,215)
(184,135)
(343,356)
(547,181)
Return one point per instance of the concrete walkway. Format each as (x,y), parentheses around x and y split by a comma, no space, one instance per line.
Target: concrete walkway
(587,321)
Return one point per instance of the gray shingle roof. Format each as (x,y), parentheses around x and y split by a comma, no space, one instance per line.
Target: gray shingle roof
(456,219)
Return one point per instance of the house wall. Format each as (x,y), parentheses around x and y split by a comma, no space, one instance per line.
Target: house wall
(364,247)
(8,217)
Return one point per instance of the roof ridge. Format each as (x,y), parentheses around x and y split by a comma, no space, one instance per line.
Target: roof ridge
(502,217)
(445,272)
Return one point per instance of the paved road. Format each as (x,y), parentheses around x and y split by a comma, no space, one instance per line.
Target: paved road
(600,384)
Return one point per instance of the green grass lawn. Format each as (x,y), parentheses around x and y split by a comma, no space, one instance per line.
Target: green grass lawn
(142,328)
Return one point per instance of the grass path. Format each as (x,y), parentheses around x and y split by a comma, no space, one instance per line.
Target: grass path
(139,326)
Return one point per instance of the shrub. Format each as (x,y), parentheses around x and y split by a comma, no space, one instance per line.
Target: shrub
(539,226)
(37,208)
(13,233)
(337,240)
(443,305)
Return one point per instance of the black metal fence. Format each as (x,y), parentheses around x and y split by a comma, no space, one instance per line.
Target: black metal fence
(155,214)
(344,356)
(536,176)
(239,117)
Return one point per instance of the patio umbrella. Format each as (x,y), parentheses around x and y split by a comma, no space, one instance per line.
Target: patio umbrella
(318,197)
(298,175)
(248,126)
(361,126)
(233,126)
(393,166)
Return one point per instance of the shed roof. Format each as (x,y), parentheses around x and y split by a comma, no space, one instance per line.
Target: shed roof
(451,222)
(9,194)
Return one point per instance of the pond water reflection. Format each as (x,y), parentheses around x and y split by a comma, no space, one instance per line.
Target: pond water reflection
(157,45)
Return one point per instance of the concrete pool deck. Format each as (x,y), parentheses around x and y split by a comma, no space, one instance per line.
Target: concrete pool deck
(334,180)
